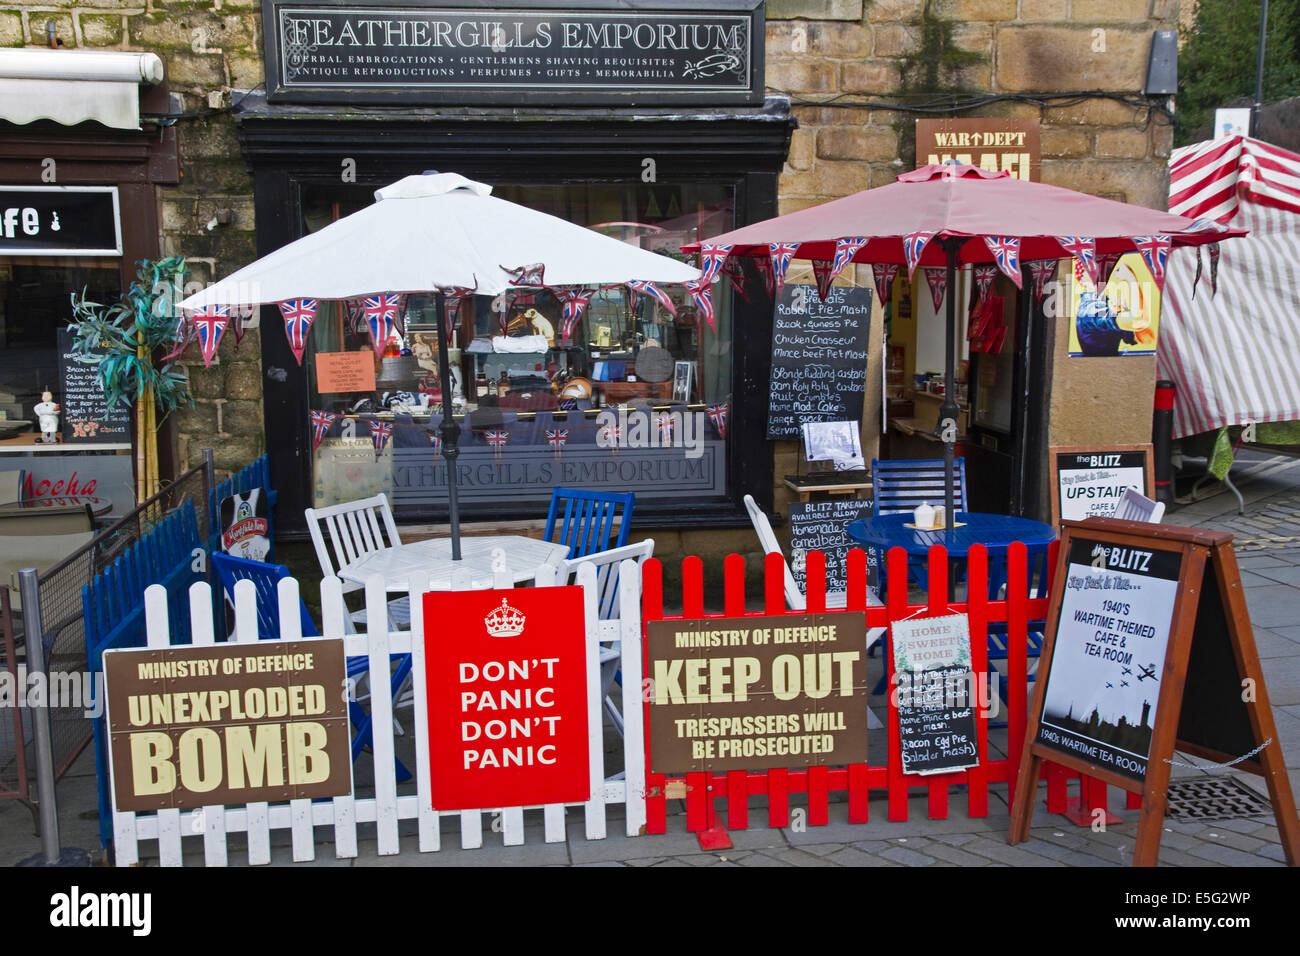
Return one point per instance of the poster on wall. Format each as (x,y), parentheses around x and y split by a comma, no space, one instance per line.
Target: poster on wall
(1109,653)
(757,692)
(244,525)
(1122,318)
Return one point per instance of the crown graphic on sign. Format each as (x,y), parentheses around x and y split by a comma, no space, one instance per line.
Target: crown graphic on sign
(505,621)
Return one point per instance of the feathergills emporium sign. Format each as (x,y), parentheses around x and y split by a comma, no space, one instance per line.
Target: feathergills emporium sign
(326,51)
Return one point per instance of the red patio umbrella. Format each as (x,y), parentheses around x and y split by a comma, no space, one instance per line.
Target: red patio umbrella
(951,215)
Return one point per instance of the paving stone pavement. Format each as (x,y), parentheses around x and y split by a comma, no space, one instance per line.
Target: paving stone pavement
(1269,553)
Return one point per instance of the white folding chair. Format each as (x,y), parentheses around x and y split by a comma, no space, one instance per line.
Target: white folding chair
(356,528)
(607,563)
(794,598)
(1135,506)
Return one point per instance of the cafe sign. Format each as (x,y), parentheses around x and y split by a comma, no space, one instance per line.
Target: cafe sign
(60,221)
(347,51)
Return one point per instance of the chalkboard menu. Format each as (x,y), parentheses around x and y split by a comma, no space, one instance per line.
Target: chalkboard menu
(936,722)
(820,526)
(84,412)
(819,358)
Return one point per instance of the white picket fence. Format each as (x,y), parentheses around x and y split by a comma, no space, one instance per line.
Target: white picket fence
(342,817)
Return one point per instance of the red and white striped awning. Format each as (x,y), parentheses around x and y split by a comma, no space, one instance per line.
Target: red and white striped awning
(1208,180)
(1235,355)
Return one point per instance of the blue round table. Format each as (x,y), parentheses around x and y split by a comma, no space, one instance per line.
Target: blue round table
(995,532)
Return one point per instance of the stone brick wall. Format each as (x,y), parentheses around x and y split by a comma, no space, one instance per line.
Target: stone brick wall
(208,48)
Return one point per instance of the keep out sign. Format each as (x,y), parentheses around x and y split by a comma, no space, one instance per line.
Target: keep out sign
(507,679)
(228,724)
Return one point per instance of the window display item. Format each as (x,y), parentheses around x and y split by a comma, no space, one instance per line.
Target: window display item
(47,414)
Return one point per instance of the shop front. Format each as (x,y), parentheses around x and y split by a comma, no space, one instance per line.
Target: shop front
(629,128)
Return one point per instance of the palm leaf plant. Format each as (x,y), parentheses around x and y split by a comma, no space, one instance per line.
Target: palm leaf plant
(127,339)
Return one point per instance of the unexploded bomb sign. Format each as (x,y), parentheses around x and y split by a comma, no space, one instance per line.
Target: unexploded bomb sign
(757,692)
(1108,661)
(228,724)
(507,678)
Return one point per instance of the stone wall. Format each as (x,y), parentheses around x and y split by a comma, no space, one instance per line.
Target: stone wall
(208,48)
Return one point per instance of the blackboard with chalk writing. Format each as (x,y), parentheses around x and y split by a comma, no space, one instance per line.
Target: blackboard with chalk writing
(932,674)
(84,412)
(821,526)
(819,358)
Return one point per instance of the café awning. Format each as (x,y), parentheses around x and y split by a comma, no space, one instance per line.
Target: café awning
(74,86)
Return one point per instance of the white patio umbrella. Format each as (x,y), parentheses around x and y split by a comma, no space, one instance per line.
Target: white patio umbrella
(438,232)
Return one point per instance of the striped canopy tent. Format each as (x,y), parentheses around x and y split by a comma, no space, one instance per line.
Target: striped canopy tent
(1234,351)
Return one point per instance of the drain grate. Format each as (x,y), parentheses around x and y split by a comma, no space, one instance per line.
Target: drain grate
(1214,798)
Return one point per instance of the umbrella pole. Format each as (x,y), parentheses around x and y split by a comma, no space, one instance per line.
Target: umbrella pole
(450,431)
(949,411)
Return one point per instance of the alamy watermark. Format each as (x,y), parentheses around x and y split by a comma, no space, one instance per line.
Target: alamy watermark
(62,690)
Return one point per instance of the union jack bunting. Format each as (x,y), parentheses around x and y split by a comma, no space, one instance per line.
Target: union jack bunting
(610,436)
(498,439)
(572,304)
(380,432)
(1214,268)
(321,422)
(1040,270)
(1083,249)
(734,270)
(883,273)
(1155,253)
(718,415)
(825,276)
(768,272)
(1006,253)
(983,281)
(702,295)
(183,334)
(239,314)
(356,315)
(382,314)
(780,254)
(435,442)
(452,297)
(937,278)
(528,277)
(209,325)
(1106,262)
(913,246)
(845,250)
(665,425)
(649,288)
(557,438)
(298,314)
(711,259)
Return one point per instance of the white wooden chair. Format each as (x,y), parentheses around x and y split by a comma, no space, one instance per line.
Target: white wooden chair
(356,528)
(1135,506)
(607,563)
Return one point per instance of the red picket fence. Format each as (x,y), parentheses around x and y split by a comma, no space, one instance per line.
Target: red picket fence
(702,790)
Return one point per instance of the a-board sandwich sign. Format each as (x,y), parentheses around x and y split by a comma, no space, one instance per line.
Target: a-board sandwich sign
(227,724)
(244,525)
(822,526)
(1148,651)
(508,676)
(757,692)
(933,694)
(1088,481)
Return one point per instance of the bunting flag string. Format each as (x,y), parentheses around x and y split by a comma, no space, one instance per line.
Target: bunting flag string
(610,436)
(239,316)
(435,442)
(183,333)
(209,325)
(356,315)
(845,250)
(824,275)
(321,422)
(1006,253)
(1040,270)
(572,304)
(712,258)
(498,439)
(718,416)
(527,277)
(1155,252)
(779,255)
(702,295)
(1085,250)
(665,425)
(299,314)
(659,295)
(913,246)
(734,270)
(380,432)
(883,273)
(983,280)
(382,312)
(937,278)
(557,438)
(768,272)
(452,297)
(1196,251)
(1106,262)
(1214,269)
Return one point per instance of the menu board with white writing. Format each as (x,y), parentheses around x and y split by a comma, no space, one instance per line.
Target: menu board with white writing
(1089,482)
(84,412)
(821,526)
(934,689)
(1109,653)
(819,358)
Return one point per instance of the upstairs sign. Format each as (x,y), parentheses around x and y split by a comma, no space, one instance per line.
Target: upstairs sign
(362,51)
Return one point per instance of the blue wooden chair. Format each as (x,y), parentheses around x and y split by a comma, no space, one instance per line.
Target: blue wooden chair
(1036,559)
(585,520)
(266,578)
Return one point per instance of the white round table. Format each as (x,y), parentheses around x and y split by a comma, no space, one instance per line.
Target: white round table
(523,556)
